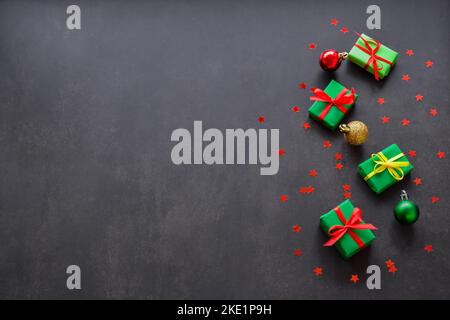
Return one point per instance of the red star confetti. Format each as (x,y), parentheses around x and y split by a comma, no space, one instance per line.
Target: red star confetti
(380,101)
(302,85)
(385,119)
(389,263)
(412,153)
(297,252)
(306,125)
(406,77)
(261,119)
(393,269)
(347,195)
(339,166)
(354,278)
(405,122)
(409,52)
(318,271)
(428,63)
(346,187)
(433,112)
(344,30)
(296,228)
(284,198)
(418,181)
(441,154)
(310,189)
(281,152)
(303,190)
(312,45)
(295,109)
(334,22)
(313,173)
(434,199)
(327,144)
(428,248)
(338,156)
(419,97)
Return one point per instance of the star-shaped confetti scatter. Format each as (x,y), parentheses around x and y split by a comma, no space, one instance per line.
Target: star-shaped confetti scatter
(405,122)
(306,125)
(312,45)
(418,181)
(313,173)
(354,278)
(428,248)
(334,22)
(409,52)
(295,109)
(412,153)
(441,154)
(281,152)
(406,77)
(385,119)
(344,30)
(306,189)
(338,156)
(347,195)
(389,263)
(419,97)
(297,252)
(428,63)
(327,144)
(346,187)
(261,119)
(318,271)
(302,85)
(380,101)
(339,166)
(393,269)
(296,228)
(433,112)
(434,199)
(284,198)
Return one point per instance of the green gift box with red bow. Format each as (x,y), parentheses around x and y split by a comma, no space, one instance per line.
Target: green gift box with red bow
(373,56)
(332,104)
(346,229)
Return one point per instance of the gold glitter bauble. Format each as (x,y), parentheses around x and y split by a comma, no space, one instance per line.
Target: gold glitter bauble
(355,132)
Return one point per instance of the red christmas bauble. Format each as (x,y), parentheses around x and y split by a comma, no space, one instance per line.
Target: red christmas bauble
(330,60)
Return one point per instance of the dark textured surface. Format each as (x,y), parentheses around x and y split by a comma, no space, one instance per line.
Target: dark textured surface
(85,170)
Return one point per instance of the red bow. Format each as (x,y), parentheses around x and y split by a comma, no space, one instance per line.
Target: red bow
(354,222)
(372,52)
(341,99)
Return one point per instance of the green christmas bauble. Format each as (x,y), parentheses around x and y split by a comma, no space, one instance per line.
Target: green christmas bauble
(406,212)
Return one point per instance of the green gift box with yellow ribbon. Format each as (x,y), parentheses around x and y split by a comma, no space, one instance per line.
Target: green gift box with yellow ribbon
(385,168)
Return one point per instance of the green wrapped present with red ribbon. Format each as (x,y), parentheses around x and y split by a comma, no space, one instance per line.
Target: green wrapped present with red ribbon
(373,56)
(332,104)
(346,229)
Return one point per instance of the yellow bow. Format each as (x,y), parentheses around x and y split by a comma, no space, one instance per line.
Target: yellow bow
(383,163)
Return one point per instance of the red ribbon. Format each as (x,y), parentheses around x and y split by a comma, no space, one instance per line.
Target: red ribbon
(354,222)
(372,52)
(341,99)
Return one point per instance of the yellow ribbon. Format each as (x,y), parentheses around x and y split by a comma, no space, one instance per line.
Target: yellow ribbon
(382,163)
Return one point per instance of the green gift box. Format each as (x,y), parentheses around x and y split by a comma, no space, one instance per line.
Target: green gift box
(385,168)
(350,240)
(331,104)
(367,51)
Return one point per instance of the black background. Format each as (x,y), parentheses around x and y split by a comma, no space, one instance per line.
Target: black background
(86,176)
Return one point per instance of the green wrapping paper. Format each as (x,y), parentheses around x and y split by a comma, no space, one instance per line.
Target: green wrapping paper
(379,182)
(334,116)
(361,58)
(346,245)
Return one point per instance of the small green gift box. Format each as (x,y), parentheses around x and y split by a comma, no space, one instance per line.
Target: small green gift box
(331,105)
(385,168)
(373,56)
(346,229)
